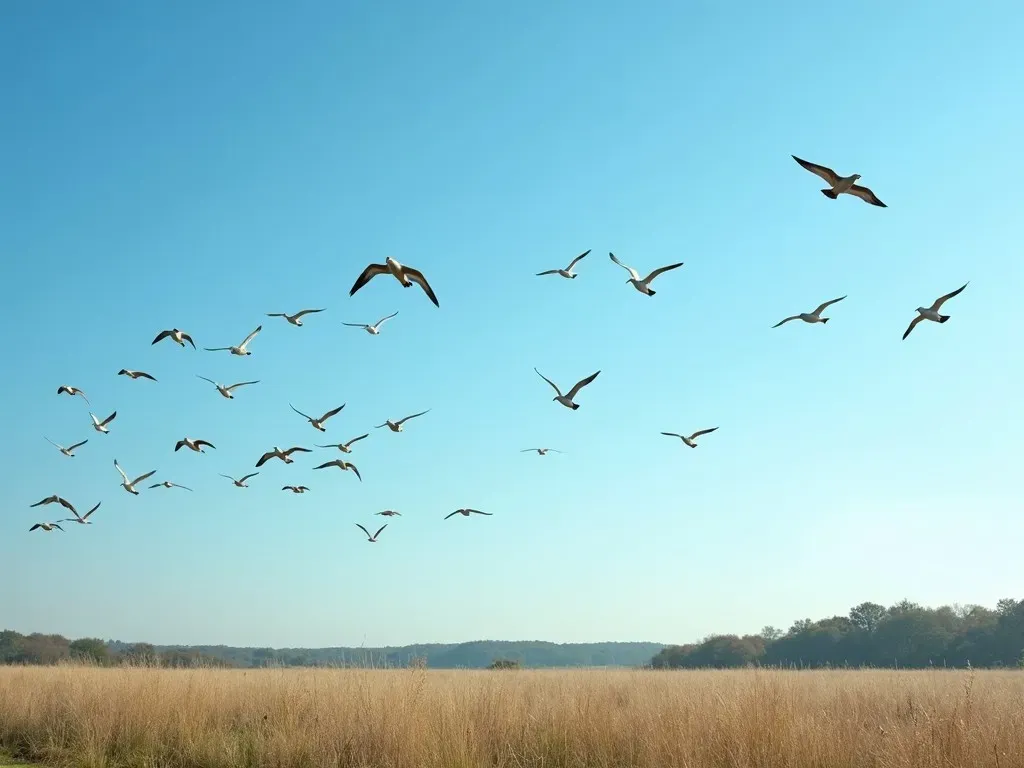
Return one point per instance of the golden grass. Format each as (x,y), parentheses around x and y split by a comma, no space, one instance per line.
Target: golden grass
(203,718)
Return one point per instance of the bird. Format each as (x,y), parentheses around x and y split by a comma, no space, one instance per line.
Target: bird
(169,484)
(55,499)
(81,519)
(193,444)
(374,329)
(226,391)
(135,374)
(811,317)
(567,400)
(567,272)
(341,464)
(467,512)
(396,426)
(240,482)
(101,426)
(541,451)
(644,286)
(240,350)
(69,390)
(403,274)
(932,312)
(277,453)
(178,337)
(130,486)
(70,450)
(389,513)
(344,447)
(293,319)
(373,538)
(840,184)
(46,527)
(691,440)
(318,423)
(295,488)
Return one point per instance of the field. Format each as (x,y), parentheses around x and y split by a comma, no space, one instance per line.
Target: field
(82,716)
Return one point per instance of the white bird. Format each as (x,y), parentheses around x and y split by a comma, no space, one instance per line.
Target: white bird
(567,400)
(373,538)
(101,426)
(403,274)
(396,426)
(240,350)
(295,488)
(811,317)
(932,312)
(840,184)
(178,337)
(55,499)
(240,482)
(344,447)
(193,444)
(644,286)
(70,450)
(389,513)
(277,453)
(692,439)
(567,272)
(467,512)
(46,527)
(374,329)
(69,390)
(226,391)
(293,319)
(341,464)
(81,519)
(135,374)
(169,484)
(318,423)
(541,451)
(130,485)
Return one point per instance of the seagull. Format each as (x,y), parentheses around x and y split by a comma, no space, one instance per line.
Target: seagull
(130,486)
(192,444)
(226,391)
(293,319)
(65,389)
(55,499)
(405,275)
(692,439)
(46,526)
(318,423)
(839,184)
(567,272)
(344,447)
(241,481)
(178,337)
(567,400)
(70,450)
(644,286)
(932,312)
(81,519)
(396,426)
(284,456)
(101,426)
(135,374)
(374,329)
(240,350)
(373,538)
(811,317)
(169,484)
(541,451)
(466,513)
(389,513)
(341,464)
(295,488)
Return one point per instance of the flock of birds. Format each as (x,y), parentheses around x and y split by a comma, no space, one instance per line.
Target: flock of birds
(406,276)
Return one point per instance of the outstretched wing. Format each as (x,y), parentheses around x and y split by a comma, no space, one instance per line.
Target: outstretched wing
(298,411)
(109,419)
(379,530)
(450,514)
(356,439)
(417,277)
(387,317)
(549,381)
(353,468)
(241,384)
(206,379)
(659,270)
(866,195)
(86,515)
(366,276)
(581,384)
(478,512)
(306,312)
(265,457)
(77,445)
(697,434)
(295,448)
(942,299)
(118,468)
(357,325)
(206,443)
(333,412)
(830,176)
(547,272)
(577,260)
(216,349)
(402,421)
(188,338)
(161,335)
(246,477)
(360,527)
(251,336)
(140,478)
(783,322)
(632,272)
(672,434)
(821,307)
(913,323)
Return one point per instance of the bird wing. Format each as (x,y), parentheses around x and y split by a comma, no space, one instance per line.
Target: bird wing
(206,379)
(702,432)
(402,421)
(243,479)
(783,322)
(528,450)
(549,381)
(47,500)
(77,445)
(188,338)
(866,195)
(145,375)
(417,277)
(379,530)
(356,439)
(306,312)
(181,486)
(387,317)
(241,384)
(157,485)
(942,299)
(264,457)
(547,272)
(206,443)
(358,525)
(55,525)
(913,322)
(52,443)
(357,325)
(822,306)
(86,515)
(659,270)
(632,272)
(295,448)
(576,260)
(161,335)
(453,513)
(672,434)
(109,419)
(140,478)
(216,349)
(251,336)
(298,411)
(830,176)
(581,384)
(334,412)
(366,276)
(276,314)
(327,464)
(37,525)
(67,505)
(378,426)
(353,468)
(118,468)
(478,512)
(94,419)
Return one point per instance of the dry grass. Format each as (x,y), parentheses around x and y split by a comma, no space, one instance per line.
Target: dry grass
(79,716)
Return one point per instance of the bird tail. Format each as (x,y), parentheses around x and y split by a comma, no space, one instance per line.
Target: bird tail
(574,406)
(651,292)
(829,193)
(943,318)
(824,319)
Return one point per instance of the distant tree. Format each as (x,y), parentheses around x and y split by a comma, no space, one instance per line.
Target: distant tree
(505,664)
(89,649)
(418,662)
(140,653)
(770,633)
(867,616)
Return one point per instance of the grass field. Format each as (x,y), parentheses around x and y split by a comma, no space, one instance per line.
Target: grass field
(80,716)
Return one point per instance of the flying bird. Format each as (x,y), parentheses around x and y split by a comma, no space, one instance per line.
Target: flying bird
(567,400)
(240,350)
(932,312)
(169,484)
(178,337)
(541,451)
(344,447)
(374,329)
(240,482)
(193,444)
(644,286)
(46,527)
(70,450)
(567,272)
(277,453)
(81,519)
(811,317)
(293,319)
(65,389)
(840,184)
(55,499)
(692,439)
(389,513)
(295,488)
(101,426)
(130,485)
(135,374)
(403,274)
(396,426)
(341,464)
(226,391)
(318,423)
(373,538)
(467,512)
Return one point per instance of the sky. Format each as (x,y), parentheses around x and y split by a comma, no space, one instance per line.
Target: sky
(198,165)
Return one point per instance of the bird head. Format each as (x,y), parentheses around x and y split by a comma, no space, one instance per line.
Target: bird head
(855,176)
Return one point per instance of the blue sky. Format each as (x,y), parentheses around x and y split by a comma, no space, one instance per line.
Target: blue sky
(202,165)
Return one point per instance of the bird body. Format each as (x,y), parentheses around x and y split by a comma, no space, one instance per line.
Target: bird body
(81,519)
(341,464)
(567,271)
(389,513)
(277,453)
(838,185)
(101,426)
(193,444)
(932,312)
(178,337)
(345,447)
(293,319)
(241,349)
(541,451)
(240,482)
(55,499)
(567,399)
(169,484)
(129,485)
(318,423)
(374,329)
(226,391)
(46,527)
(70,450)
(811,317)
(65,389)
(295,488)
(644,286)
(372,539)
(690,440)
(135,374)
(467,513)
(396,426)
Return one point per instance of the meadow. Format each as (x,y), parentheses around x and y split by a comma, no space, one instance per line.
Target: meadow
(416,718)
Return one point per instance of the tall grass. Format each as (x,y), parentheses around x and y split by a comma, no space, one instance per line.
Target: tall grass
(204,718)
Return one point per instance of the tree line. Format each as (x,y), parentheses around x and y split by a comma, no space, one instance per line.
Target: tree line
(37,648)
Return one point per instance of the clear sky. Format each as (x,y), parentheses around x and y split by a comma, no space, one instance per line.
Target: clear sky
(201,164)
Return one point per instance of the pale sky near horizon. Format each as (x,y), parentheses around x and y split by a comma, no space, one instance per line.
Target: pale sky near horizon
(202,164)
